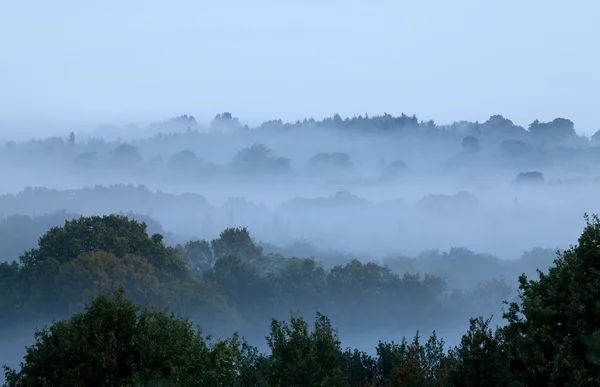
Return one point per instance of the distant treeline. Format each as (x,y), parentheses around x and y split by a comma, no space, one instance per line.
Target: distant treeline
(459,267)
(191,215)
(557,129)
(192,153)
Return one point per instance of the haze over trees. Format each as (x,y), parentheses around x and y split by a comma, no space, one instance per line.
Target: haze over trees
(119,343)
(338,239)
(248,176)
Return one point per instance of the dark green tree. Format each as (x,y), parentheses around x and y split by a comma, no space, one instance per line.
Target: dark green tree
(237,242)
(115,234)
(303,358)
(115,343)
(549,330)
(359,367)
(479,359)
(198,255)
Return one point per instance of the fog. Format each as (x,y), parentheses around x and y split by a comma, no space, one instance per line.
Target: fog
(352,188)
(454,140)
(379,189)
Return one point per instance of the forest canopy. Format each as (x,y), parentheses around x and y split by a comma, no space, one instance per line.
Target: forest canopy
(114,261)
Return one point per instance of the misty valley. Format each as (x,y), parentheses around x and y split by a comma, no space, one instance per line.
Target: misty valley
(361,251)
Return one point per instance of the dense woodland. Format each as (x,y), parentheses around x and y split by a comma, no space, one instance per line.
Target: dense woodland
(550,336)
(245,283)
(164,255)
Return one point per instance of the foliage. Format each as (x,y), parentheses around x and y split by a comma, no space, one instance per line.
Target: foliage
(359,367)
(595,139)
(551,335)
(184,160)
(19,233)
(480,358)
(420,365)
(470,144)
(549,330)
(515,148)
(115,343)
(198,256)
(533,177)
(329,162)
(259,159)
(303,358)
(88,255)
(179,135)
(114,234)
(393,169)
(557,129)
(233,275)
(236,242)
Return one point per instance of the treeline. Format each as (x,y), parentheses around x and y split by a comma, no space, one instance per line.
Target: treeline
(234,277)
(129,198)
(229,279)
(19,233)
(176,152)
(139,199)
(551,335)
(557,129)
(329,221)
(456,266)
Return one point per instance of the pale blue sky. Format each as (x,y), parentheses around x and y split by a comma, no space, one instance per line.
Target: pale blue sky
(120,60)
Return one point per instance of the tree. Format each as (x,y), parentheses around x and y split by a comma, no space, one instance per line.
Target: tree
(116,343)
(549,331)
(71,141)
(242,285)
(359,367)
(411,364)
(225,121)
(14,295)
(236,242)
(114,234)
(515,148)
(596,138)
(89,255)
(532,177)
(329,163)
(421,365)
(393,169)
(557,129)
(198,256)
(498,125)
(258,158)
(479,359)
(91,273)
(470,144)
(183,160)
(86,159)
(303,358)
(126,154)
(301,284)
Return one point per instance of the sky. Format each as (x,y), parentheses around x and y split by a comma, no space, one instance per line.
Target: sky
(115,61)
